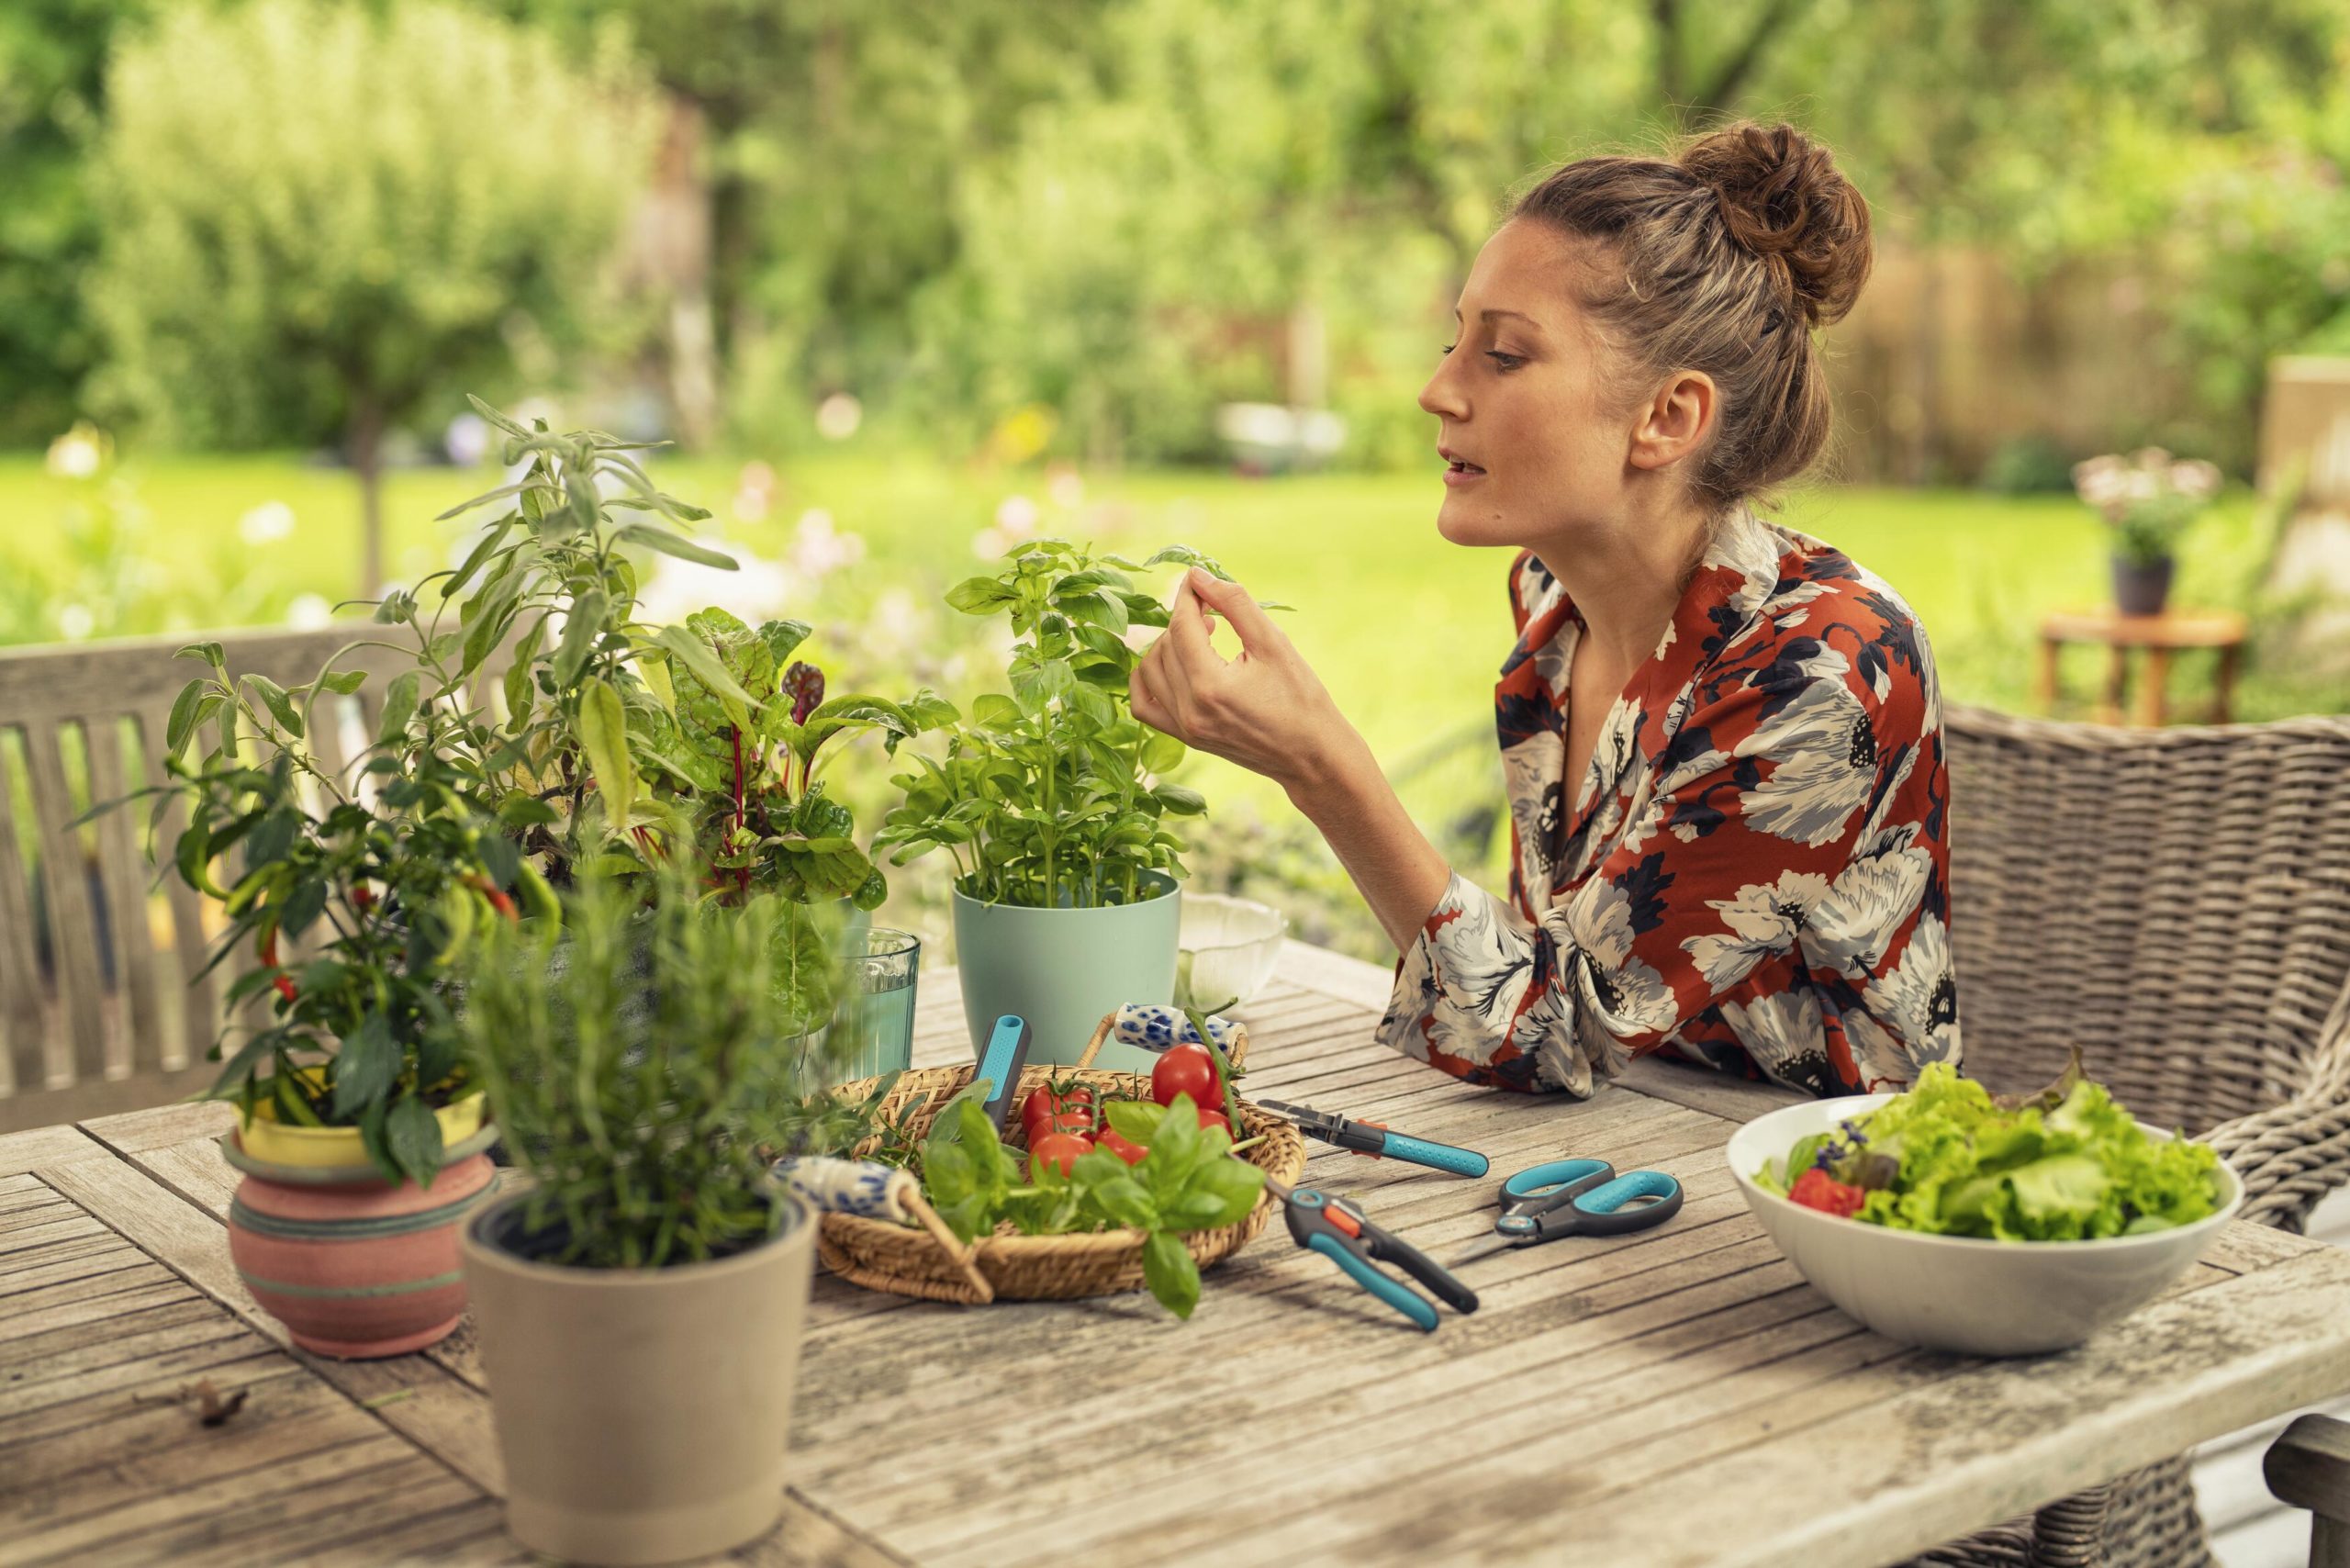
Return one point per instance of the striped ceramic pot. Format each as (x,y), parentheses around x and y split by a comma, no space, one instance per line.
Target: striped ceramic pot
(360,1268)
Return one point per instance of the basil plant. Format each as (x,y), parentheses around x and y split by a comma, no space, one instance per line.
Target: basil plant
(1054,795)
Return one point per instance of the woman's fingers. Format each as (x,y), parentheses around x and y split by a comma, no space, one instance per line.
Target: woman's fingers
(1229,599)
(1146,697)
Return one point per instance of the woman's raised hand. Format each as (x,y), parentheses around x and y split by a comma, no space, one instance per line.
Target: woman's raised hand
(1265,709)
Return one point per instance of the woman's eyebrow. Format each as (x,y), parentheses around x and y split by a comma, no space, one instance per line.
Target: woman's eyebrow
(1498,315)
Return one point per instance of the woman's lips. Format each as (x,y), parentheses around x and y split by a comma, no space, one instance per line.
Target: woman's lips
(1458,473)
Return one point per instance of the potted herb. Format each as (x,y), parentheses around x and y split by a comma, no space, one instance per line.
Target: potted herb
(627,746)
(348,1080)
(2148,499)
(1053,802)
(763,821)
(640,1307)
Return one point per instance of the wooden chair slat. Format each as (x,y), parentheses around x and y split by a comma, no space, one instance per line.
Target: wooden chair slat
(199,1000)
(24,1005)
(60,1034)
(73,925)
(123,876)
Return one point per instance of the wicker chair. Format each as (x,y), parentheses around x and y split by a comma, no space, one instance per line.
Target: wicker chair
(2177,904)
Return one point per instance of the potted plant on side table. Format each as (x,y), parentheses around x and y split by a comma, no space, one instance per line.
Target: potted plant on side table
(1054,805)
(2149,499)
(639,1306)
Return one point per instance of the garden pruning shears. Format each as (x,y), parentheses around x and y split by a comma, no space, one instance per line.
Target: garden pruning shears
(1339,1229)
(1374,1139)
(1577,1197)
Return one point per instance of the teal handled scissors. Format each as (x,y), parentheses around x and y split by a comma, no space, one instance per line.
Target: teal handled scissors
(1577,1197)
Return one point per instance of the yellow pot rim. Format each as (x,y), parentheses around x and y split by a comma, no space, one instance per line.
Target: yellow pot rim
(265,1137)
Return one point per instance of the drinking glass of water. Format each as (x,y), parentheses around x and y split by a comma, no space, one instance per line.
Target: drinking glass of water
(876,1017)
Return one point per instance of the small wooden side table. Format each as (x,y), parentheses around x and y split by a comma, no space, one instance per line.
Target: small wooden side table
(2158,637)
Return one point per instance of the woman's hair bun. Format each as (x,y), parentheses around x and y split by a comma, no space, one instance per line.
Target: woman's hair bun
(1785,200)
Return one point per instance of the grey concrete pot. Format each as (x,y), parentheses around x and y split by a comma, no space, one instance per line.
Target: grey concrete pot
(640,1413)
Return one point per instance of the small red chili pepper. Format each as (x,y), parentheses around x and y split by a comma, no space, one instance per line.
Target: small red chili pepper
(284,984)
(1815,1189)
(268,949)
(363,899)
(499,900)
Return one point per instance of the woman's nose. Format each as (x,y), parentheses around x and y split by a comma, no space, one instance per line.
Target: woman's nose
(1441,397)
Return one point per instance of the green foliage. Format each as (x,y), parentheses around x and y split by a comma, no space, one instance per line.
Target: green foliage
(52,60)
(632,1064)
(1055,796)
(589,691)
(1183,1183)
(319,217)
(382,888)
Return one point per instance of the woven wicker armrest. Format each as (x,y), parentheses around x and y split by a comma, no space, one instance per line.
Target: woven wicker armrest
(2309,1467)
(2292,1155)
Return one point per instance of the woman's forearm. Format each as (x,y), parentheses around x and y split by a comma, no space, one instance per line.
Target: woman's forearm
(1399,873)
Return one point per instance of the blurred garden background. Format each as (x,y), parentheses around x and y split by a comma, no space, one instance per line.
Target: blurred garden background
(907,283)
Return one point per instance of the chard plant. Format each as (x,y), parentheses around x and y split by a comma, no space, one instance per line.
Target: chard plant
(625,746)
(1055,795)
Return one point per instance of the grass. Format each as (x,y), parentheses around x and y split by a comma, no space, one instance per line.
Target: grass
(1406,629)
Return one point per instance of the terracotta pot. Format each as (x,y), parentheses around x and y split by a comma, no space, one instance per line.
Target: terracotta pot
(641,1412)
(355,1266)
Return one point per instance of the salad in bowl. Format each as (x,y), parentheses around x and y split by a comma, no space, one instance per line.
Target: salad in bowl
(1949,1158)
(1955,1219)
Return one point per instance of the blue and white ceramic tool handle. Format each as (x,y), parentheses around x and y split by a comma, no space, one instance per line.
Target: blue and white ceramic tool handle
(1436,1155)
(1403,1299)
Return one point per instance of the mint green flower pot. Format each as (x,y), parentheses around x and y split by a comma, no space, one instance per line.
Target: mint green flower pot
(1063,969)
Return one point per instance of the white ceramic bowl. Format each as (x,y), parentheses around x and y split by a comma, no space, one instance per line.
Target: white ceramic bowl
(1957,1293)
(1228,949)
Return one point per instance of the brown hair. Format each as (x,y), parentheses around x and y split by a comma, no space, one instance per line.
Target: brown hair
(1729,255)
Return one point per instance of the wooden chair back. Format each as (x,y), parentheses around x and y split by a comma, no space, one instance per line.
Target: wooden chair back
(2177,903)
(100,1009)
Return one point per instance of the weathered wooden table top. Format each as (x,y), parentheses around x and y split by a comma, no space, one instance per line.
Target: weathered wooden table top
(1680,1398)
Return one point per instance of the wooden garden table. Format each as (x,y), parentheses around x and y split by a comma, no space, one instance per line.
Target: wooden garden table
(1678,1398)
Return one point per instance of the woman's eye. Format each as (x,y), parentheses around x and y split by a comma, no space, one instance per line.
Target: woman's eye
(1446,349)
(1505,361)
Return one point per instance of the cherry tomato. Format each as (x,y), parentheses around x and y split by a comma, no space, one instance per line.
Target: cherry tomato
(1059,1150)
(1075,1119)
(1045,1102)
(1815,1189)
(1131,1153)
(1186,1070)
(1215,1119)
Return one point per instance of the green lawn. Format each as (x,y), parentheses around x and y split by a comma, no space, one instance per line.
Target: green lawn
(1405,629)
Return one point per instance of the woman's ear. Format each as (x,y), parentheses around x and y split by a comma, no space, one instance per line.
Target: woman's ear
(1675,422)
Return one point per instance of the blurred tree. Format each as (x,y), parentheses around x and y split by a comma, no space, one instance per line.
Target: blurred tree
(320,219)
(53,63)
(825,139)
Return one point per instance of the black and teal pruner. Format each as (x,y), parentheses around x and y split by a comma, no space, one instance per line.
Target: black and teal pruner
(1339,1229)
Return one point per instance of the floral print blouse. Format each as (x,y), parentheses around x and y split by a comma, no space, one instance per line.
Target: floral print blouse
(1753,872)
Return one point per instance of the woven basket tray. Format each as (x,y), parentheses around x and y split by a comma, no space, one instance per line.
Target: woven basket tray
(904,1261)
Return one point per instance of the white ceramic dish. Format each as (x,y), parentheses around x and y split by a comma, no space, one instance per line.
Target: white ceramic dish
(1956,1293)
(1227,950)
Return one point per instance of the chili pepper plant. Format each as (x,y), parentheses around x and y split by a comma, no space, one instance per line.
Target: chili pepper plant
(357,893)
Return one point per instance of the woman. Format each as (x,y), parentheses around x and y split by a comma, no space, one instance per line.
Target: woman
(1721,740)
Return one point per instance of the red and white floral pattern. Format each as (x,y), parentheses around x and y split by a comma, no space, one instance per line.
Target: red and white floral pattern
(1754,871)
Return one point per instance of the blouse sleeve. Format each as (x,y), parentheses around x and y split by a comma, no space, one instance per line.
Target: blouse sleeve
(1759,802)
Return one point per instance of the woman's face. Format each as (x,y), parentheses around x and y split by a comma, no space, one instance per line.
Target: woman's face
(1533,450)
